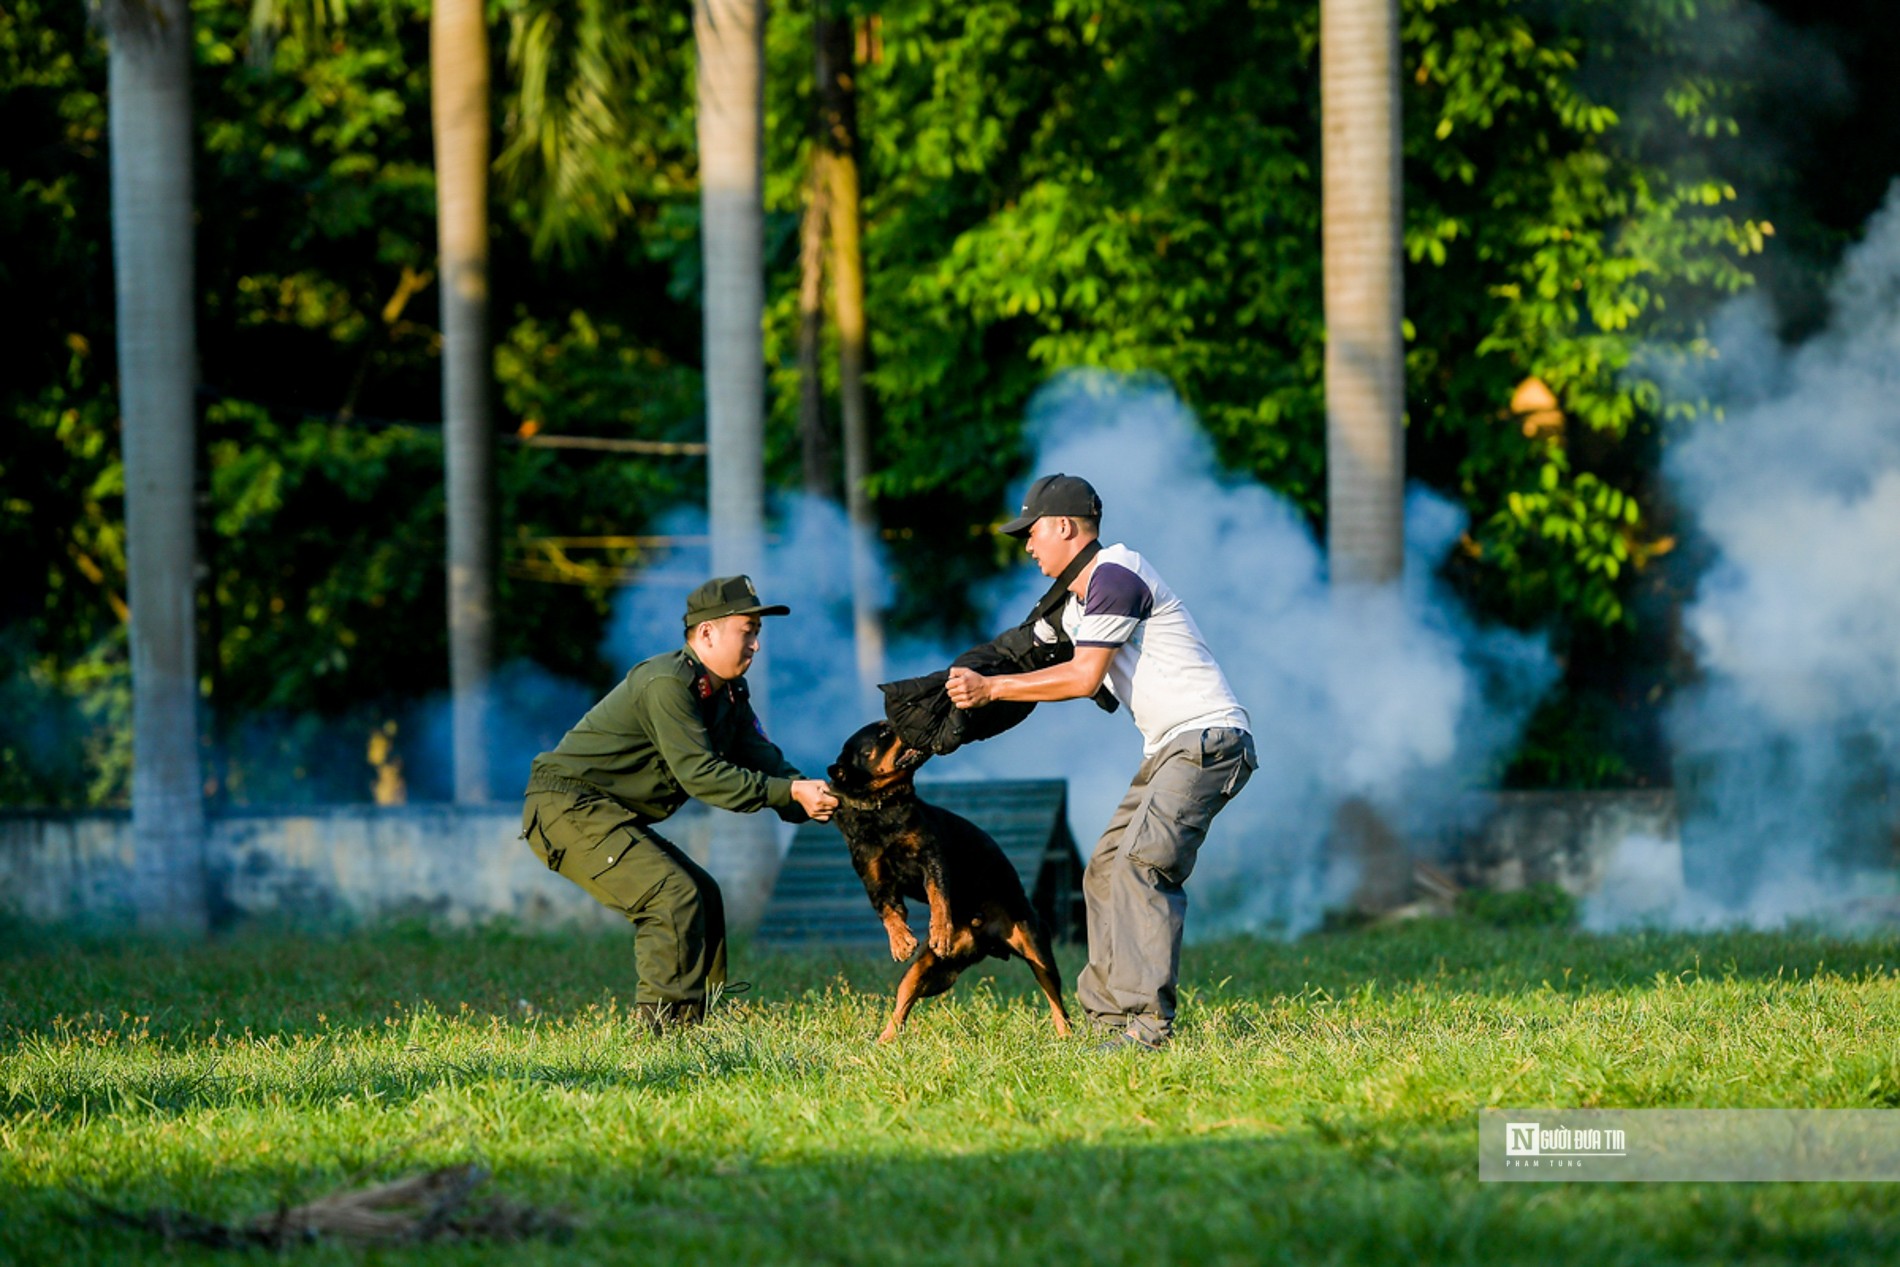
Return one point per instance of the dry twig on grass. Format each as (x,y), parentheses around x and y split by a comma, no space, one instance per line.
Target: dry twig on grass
(436,1205)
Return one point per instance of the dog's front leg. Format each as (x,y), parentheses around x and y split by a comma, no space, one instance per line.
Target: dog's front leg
(889,905)
(897,928)
(942,934)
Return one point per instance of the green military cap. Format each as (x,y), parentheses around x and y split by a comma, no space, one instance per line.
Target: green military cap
(728,596)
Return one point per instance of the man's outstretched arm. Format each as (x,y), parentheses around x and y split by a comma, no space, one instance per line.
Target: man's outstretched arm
(1077,678)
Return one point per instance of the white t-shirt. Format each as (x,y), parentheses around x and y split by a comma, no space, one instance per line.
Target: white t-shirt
(1162,671)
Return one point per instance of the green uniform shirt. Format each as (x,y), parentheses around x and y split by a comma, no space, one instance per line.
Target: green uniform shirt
(664,735)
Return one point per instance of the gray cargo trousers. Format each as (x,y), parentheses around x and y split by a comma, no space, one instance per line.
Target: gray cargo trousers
(1136,905)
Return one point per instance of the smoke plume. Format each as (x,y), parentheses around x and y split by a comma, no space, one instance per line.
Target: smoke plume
(1786,744)
(1392,698)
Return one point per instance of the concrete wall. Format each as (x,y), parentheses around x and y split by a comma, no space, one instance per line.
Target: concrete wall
(1516,839)
(58,867)
(461,865)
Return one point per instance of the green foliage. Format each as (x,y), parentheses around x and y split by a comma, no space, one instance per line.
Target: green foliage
(1538,906)
(320,533)
(62,647)
(322,613)
(593,119)
(1591,223)
(1574,739)
(1563,545)
(1319,1099)
(65,738)
(1135,187)
(1047,185)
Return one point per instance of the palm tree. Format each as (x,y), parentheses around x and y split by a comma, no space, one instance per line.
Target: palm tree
(567,59)
(459,87)
(1365,350)
(838,113)
(729,37)
(458,68)
(149,92)
(1365,358)
(816,448)
(567,141)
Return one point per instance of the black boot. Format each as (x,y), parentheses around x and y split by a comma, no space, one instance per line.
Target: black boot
(662,1018)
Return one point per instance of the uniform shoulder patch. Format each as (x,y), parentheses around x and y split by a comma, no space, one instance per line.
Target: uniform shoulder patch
(675,665)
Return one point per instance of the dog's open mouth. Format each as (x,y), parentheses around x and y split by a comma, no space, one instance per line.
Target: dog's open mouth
(909,758)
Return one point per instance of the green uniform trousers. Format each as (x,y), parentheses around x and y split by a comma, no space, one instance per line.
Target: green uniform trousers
(678,915)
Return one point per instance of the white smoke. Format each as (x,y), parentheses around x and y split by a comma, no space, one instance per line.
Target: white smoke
(1785,748)
(1394,698)
(805,680)
(1391,697)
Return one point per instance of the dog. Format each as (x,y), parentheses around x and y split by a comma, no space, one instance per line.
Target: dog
(903,846)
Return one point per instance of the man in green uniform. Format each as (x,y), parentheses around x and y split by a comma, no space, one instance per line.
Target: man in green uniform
(678,726)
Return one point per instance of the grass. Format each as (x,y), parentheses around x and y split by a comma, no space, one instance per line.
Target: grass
(1318,1105)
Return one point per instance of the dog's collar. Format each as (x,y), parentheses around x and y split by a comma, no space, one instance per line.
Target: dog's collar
(874,800)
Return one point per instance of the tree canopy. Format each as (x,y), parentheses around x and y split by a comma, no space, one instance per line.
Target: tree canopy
(1049,184)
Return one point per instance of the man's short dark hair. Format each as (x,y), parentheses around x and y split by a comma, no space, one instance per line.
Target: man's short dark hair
(1090,525)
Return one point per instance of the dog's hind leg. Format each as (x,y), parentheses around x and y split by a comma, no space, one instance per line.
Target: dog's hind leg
(927,976)
(1035,950)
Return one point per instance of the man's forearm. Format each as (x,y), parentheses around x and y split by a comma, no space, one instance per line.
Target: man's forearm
(1057,682)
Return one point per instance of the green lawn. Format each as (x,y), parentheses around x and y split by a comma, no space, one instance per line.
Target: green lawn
(1319,1104)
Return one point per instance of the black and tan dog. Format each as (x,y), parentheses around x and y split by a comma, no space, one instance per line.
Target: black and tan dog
(905,847)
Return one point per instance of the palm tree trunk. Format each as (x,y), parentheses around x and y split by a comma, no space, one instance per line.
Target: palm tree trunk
(1365,350)
(729,38)
(815,445)
(458,65)
(837,94)
(149,90)
(1365,361)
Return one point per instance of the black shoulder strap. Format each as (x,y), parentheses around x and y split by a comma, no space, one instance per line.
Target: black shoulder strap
(1059,588)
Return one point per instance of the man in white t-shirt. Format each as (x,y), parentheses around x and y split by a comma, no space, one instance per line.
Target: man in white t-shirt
(1197,750)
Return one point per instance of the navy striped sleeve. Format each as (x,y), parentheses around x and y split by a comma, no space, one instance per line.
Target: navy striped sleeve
(1118,601)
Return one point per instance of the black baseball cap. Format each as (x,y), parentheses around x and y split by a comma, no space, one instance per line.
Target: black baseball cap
(1055,495)
(727,596)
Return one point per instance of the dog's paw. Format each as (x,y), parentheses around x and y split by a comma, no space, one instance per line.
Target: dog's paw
(903,947)
(942,942)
